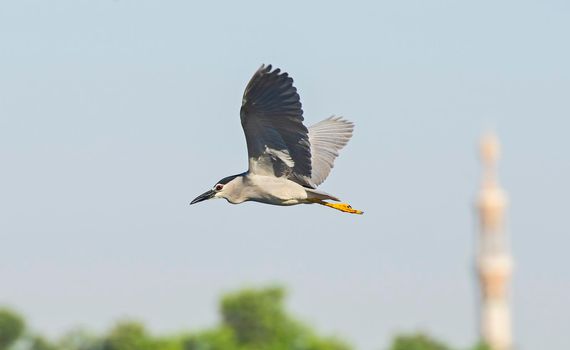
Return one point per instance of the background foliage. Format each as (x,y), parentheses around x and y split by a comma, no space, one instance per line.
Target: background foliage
(251,319)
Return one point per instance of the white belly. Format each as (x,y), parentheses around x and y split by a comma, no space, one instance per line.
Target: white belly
(273,190)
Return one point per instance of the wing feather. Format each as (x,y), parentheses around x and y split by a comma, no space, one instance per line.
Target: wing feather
(272,120)
(327,138)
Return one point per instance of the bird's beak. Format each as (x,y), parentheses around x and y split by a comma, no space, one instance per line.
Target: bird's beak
(206,195)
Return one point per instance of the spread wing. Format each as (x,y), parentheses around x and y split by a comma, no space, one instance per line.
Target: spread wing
(272,120)
(327,138)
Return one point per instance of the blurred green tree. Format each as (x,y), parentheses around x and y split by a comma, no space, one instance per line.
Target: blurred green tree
(127,335)
(255,319)
(221,338)
(418,341)
(40,343)
(258,321)
(481,346)
(11,328)
(79,339)
(168,343)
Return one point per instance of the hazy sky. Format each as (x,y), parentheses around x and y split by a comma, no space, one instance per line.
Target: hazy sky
(115,114)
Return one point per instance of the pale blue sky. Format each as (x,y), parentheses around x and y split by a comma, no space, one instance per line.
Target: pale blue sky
(115,114)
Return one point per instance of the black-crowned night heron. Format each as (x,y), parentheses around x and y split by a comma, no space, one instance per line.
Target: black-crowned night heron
(287,160)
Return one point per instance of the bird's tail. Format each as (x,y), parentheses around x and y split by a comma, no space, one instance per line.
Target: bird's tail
(319,195)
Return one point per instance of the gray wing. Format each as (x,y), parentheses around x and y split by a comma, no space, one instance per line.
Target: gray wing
(272,120)
(327,138)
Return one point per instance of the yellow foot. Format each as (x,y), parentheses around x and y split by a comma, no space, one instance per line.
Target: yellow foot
(344,207)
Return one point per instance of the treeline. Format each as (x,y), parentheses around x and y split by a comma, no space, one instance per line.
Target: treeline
(251,319)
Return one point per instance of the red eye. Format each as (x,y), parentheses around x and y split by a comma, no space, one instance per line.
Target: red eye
(219,187)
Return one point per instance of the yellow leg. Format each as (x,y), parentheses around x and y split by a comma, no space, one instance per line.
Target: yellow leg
(344,207)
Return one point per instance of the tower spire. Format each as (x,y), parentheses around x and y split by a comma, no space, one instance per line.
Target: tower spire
(494,262)
(490,153)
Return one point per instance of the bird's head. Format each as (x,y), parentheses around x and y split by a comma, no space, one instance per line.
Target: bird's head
(225,188)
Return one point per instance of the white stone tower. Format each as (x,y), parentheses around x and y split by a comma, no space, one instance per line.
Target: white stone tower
(494,262)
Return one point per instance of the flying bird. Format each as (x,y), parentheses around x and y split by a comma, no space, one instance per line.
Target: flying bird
(287,160)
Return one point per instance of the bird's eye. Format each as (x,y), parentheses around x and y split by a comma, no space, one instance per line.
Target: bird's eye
(219,187)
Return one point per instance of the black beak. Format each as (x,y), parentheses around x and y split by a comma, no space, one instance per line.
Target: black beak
(206,195)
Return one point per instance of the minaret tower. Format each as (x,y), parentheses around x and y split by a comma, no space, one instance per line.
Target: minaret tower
(494,263)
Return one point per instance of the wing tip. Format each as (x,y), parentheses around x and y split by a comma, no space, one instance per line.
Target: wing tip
(350,125)
(341,119)
(271,70)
